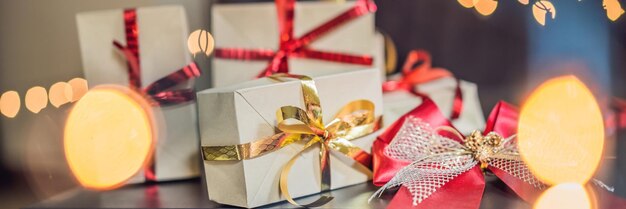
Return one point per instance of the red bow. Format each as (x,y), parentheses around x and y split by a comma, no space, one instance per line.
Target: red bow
(158,90)
(289,46)
(465,190)
(417,70)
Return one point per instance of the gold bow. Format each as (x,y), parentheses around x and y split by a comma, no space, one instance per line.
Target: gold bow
(354,120)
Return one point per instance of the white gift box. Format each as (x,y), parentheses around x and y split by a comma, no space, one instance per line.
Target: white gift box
(255,26)
(162,44)
(245,112)
(442,91)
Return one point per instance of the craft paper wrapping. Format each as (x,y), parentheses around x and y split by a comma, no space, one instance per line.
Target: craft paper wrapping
(441,91)
(162,44)
(242,113)
(255,25)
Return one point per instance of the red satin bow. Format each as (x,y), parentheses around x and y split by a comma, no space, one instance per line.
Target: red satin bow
(464,191)
(289,46)
(417,69)
(158,91)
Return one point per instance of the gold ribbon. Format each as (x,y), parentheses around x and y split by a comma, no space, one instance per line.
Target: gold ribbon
(354,120)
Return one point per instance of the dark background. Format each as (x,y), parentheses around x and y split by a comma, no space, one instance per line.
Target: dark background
(506,54)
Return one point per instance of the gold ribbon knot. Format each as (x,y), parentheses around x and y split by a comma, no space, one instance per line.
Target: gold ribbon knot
(354,120)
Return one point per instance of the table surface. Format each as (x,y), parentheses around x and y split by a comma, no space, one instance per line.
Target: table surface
(192,194)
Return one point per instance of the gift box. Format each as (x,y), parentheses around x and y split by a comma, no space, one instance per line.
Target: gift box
(248,41)
(457,99)
(235,119)
(149,55)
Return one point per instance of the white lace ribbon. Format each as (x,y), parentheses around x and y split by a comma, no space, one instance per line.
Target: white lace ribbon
(437,159)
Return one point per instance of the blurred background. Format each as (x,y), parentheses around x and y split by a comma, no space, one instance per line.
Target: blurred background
(507,54)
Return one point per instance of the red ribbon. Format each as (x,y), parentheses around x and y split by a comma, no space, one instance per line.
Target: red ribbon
(417,70)
(289,46)
(159,91)
(463,192)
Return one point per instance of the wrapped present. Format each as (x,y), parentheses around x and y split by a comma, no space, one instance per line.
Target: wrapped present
(145,49)
(457,99)
(436,166)
(309,38)
(250,150)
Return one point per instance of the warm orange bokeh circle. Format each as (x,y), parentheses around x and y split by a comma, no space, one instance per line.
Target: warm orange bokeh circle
(561,132)
(108,137)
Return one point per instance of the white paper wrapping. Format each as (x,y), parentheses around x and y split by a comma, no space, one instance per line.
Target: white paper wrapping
(442,92)
(245,112)
(162,44)
(255,25)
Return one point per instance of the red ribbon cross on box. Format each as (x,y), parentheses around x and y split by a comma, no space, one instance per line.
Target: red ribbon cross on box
(290,46)
(160,92)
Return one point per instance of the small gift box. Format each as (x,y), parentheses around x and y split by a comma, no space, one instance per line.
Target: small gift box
(309,38)
(436,166)
(250,150)
(457,99)
(145,49)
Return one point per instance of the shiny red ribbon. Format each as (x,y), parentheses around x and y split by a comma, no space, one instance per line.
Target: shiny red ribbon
(289,46)
(159,91)
(466,190)
(417,69)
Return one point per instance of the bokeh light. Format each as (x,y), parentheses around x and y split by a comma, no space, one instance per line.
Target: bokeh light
(613,9)
(541,8)
(561,131)
(467,3)
(564,196)
(79,88)
(486,7)
(200,41)
(60,93)
(10,104)
(109,125)
(36,99)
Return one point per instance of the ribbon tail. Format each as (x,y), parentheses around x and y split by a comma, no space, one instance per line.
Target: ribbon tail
(284,185)
(385,167)
(463,192)
(188,72)
(524,190)
(173,97)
